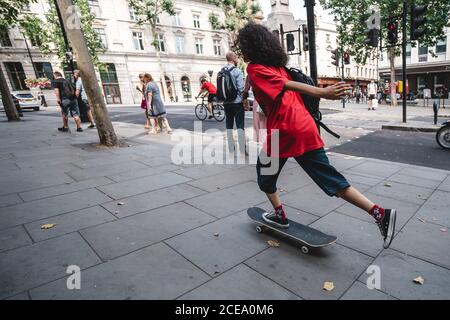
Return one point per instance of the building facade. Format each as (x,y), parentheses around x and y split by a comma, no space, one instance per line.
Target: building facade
(188,45)
(426,68)
(326,41)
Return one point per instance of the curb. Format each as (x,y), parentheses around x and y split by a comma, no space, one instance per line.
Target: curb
(404,128)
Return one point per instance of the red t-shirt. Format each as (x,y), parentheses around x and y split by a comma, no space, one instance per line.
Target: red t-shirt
(298,132)
(209,87)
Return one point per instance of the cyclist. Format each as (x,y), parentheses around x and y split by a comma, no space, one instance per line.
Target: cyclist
(209,89)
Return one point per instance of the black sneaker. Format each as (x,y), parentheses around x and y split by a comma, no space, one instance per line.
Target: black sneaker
(92,126)
(210,117)
(62,129)
(387,226)
(79,129)
(275,219)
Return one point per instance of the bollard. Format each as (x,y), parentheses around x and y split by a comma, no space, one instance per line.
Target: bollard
(435,111)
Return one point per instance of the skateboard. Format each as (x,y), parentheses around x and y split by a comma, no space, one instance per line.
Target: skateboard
(307,236)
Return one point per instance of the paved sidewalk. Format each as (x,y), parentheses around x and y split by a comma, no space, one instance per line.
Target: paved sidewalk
(141,227)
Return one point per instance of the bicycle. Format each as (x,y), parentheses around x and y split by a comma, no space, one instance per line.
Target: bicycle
(201,111)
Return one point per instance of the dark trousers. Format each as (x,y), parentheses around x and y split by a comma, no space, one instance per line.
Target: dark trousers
(234,112)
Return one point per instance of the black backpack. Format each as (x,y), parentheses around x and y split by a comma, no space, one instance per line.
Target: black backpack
(311,103)
(68,90)
(226,85)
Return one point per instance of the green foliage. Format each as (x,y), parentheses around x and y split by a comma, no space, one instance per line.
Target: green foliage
(10,12)
(237,14)
(352,16)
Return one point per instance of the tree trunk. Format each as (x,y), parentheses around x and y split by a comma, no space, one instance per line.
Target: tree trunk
(393,88)
(8,103)
(84,62)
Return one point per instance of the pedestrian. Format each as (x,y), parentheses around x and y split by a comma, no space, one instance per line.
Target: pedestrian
(67,100)
(208,88)
(297,133)
(234,109)
(155,105)
(141,89)
(81,95)
(372,90)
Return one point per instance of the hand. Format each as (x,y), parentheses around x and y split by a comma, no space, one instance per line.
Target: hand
(58,102)
(246,105)
(335,92)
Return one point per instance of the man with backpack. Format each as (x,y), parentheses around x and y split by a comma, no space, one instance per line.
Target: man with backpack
(230,86)
(67,100)
(82,97)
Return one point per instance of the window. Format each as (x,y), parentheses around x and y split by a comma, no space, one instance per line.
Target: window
(133,15)
(5,41)
(102,37)
(137,41)
(44,70)
(158,21)
(179,43)
(16,75)
(365,73)
(423,53)
(196,21)
(348,72)
(177,19)
(441,46)
(408,50)
(199,45)
(160,46)
(95,7)
(217,48)
(26,7)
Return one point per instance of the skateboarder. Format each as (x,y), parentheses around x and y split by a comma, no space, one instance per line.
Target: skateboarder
(298,134)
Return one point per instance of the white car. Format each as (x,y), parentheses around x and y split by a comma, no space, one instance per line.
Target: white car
(25,99)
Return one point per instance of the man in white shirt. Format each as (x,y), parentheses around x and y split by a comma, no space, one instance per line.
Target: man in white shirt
(372,90)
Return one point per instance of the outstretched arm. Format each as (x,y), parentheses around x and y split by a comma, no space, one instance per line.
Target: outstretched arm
(334,92)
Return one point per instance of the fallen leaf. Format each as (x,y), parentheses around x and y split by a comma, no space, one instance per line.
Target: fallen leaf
(435,219)
(120,203)
(273,243)
(444,230)
(387,184)
(48,225)
(422,220)
(419,280)
(216,234)
(328,286)
(116,212)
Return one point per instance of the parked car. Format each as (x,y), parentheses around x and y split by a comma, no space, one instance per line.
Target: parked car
(25,99)
(16,103)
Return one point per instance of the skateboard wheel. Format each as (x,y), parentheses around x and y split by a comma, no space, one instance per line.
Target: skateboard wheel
(305,250)
(259,229)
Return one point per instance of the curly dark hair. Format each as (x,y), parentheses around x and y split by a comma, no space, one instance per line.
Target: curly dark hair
(255,43)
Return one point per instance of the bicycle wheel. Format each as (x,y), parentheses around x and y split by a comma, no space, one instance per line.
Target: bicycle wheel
(218,112)
(201,112)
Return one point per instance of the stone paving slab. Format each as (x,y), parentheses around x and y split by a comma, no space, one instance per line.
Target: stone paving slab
(403,192)
(445,185)
(425,173)
(44,208)
(202,171)
(13,238)
(420,182)
(361,178)
(147,201)
(230,200)
(305,274)
(373,168)
(69,222)
(437,207)
(142,185)
(122,236)
(20,296)
(237,241)
(9,200)
(353,233)
(100,170)
(432,245)
(225,179)
(34,265)
(129,175)
(359,291)
(156,272)
(398,271)
(240,283)
(405,210)
(63,189)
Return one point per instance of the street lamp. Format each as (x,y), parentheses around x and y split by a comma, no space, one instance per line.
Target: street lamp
(210,72)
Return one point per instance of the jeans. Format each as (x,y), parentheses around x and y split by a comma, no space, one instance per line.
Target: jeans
(235,112)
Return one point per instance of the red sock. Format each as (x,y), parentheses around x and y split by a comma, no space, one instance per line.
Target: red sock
(377,212)
(280,210)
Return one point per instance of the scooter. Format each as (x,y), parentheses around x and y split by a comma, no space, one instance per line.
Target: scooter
(443,135)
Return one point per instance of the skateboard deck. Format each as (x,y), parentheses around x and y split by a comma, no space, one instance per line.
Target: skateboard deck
(308,236)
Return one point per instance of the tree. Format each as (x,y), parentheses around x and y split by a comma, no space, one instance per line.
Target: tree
(85,63)
(237,14)
(353,15)
(10,16)
(147,12)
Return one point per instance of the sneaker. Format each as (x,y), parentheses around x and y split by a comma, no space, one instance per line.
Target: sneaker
(387,226)
(275,219)
(210,117)
(92,126)
(79,129)
(62,129)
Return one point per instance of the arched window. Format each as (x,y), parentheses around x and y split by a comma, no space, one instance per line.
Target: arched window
(186,86)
